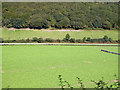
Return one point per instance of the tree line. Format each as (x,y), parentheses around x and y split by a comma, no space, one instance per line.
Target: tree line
(67,15)
(66,39)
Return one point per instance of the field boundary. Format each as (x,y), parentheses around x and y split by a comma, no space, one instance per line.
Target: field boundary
(28,29)
(61,44)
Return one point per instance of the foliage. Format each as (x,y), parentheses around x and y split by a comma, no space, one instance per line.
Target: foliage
(84,39)
(100,85)
(106,25)
(58,40)
(80,82)
(78,40)
(88,39)
(59,15)
(27,40)
(67,38)
(49,40)
(35,39)
(110,40)
(40,40)
(37,22)
(105,38)
(63,83)
(72,40)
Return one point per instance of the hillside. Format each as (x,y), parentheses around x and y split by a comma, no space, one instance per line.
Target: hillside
(68,15)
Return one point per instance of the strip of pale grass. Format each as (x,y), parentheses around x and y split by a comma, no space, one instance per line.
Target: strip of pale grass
(24,34)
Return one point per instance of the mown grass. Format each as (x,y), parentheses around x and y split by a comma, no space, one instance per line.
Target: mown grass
(39,66)
(24,34)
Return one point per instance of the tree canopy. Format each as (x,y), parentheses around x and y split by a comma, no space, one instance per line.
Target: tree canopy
(75,15)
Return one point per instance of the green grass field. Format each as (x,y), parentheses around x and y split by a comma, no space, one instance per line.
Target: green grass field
(35,66)
(24,34)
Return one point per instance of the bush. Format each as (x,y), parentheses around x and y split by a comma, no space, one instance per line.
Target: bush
(49,40)
(64,39)
(21,41)
(118,41)
(7,41)
(105,38)
(13,41)
(40,40)
(35,39)
(27,40)
(58,40)
(110,39)
(67,37)
(72,40)
(84,39)
(78,40)
(99,85)
(100,40)
(88,39)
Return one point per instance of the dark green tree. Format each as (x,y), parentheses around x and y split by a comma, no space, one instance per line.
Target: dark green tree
(67,37)
(84,39)
(105,38)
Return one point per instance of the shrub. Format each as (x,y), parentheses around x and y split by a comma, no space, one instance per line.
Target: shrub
(49,40)
(105,38)
(58,40)
(67,37)
(13,41)
(35,39)
(6,41)
(118,41)
(110,39)
(92,41)
(106,25)
(88,39)
(100,40)
(78,40)
(99,85)
(72,40)
(84,39)
(27,40)
(40,40)
(21,41)
(64,39)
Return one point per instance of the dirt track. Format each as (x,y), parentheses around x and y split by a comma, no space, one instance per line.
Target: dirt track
(49,30)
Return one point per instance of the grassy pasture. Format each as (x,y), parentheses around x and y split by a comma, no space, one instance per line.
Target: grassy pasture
(37,66)
(24,34)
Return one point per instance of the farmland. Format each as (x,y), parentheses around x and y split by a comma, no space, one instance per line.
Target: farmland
(35,66)
(24,34)
(43,41)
